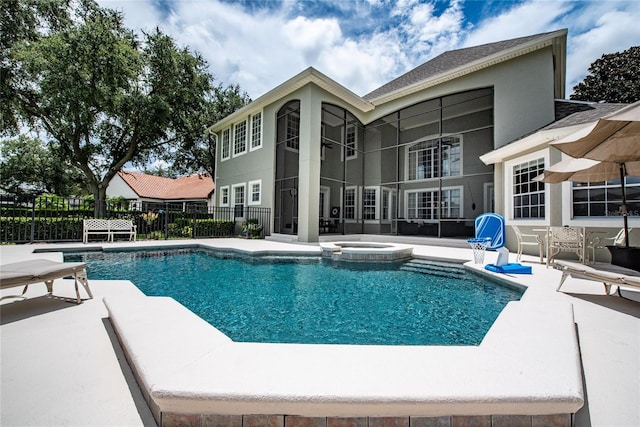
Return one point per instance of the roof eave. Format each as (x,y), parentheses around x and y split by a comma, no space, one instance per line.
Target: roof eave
(556,39)
(537,140)
(310,75)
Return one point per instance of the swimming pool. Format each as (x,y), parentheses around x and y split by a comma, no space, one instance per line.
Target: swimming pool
(310,300)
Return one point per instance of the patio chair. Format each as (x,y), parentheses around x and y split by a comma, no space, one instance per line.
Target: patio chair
(43,270)
(528,240)
(565,239)
(602,242)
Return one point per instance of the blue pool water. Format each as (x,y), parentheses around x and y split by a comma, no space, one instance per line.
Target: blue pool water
(311,300)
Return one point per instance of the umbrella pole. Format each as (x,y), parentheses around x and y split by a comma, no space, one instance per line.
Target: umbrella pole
(623,173)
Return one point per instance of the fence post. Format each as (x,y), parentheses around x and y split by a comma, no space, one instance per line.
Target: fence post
(33,220)
(193,226)
(166,220)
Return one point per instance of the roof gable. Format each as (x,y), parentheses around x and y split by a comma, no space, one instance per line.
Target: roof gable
(455,63)
(157,187)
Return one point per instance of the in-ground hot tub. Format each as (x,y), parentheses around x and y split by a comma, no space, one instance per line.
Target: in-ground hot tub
(366,251)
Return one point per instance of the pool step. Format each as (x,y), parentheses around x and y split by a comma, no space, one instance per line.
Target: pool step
(434,268)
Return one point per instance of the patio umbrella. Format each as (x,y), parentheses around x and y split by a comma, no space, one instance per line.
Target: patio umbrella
(585,170)
(614,139)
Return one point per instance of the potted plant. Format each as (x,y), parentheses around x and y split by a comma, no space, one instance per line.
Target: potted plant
(251,228)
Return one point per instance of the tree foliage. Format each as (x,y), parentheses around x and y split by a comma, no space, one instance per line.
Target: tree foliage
(198,153)
(612,78)
(23,21)
(106,96)
(29,166)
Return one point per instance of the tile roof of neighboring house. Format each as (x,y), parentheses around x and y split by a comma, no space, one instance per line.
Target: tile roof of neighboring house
(449,61)
(156,187)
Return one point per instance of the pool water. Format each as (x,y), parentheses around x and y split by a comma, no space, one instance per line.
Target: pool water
(311,300)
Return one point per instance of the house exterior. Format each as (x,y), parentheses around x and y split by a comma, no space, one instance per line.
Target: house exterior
(534,205)
(401,160)
(139,188)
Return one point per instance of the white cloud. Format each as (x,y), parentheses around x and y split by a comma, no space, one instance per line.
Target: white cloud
(262,47)
(312,34)
(522,19)
(614,31)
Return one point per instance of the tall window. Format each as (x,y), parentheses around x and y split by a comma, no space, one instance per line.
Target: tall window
(256,131)
(255,190)
(351,142)
(369,203)
(451,204)
(528,195)
(425,162)
(238,200)
(293,131)
(224,196)
(226,144)
(350,203)
(385,208)
(240,138)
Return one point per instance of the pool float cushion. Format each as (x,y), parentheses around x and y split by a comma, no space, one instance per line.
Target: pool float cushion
(513,268)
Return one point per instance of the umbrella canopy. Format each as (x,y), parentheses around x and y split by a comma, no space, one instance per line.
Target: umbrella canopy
(614,139)
(585,170)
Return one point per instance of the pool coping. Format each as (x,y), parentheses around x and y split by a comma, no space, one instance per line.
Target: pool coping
(527,364)
(366,251)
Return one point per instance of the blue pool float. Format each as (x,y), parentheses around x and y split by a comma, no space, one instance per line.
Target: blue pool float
(513,268)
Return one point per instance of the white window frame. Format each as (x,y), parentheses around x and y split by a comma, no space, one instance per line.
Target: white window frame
(224,193)
(376,204)
(256,132)
(509,195)
(240,138)
(234,191)
(387,194)
(355,204)
(225,144)
(250,200)
(289,141)
(347,146)
(326,191)
(441,167)
(434,216)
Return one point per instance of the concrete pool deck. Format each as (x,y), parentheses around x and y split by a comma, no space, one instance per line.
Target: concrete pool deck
(63,365)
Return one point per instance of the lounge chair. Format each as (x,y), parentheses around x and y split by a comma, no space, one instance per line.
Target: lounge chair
(608,274)
(43,270)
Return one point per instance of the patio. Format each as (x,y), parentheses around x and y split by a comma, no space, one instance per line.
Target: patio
(62,364)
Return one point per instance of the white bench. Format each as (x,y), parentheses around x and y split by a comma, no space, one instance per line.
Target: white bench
(110,227)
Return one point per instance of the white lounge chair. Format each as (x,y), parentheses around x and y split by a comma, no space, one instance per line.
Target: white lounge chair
(43,270)
(608,274)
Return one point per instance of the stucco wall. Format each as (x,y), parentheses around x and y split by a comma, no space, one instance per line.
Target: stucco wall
(523,91)
(118,188)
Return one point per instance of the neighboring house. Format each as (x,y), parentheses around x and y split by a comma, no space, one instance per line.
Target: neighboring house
(402,159)
(532,204)
(136,187)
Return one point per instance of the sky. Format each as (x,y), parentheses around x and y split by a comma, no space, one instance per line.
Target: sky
(362,44)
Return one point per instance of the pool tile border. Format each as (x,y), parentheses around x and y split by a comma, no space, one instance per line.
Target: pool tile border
(212,420)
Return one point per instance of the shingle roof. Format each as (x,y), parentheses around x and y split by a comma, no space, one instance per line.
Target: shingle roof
(448,61)
(156,187)
(571,113)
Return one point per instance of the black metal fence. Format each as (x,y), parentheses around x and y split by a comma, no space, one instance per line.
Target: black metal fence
(29,219)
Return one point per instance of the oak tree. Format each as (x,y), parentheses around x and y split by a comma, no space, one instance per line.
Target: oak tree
(613,78)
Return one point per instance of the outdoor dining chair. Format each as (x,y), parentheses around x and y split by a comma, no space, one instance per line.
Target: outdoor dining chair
(565,239)
(528,240)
